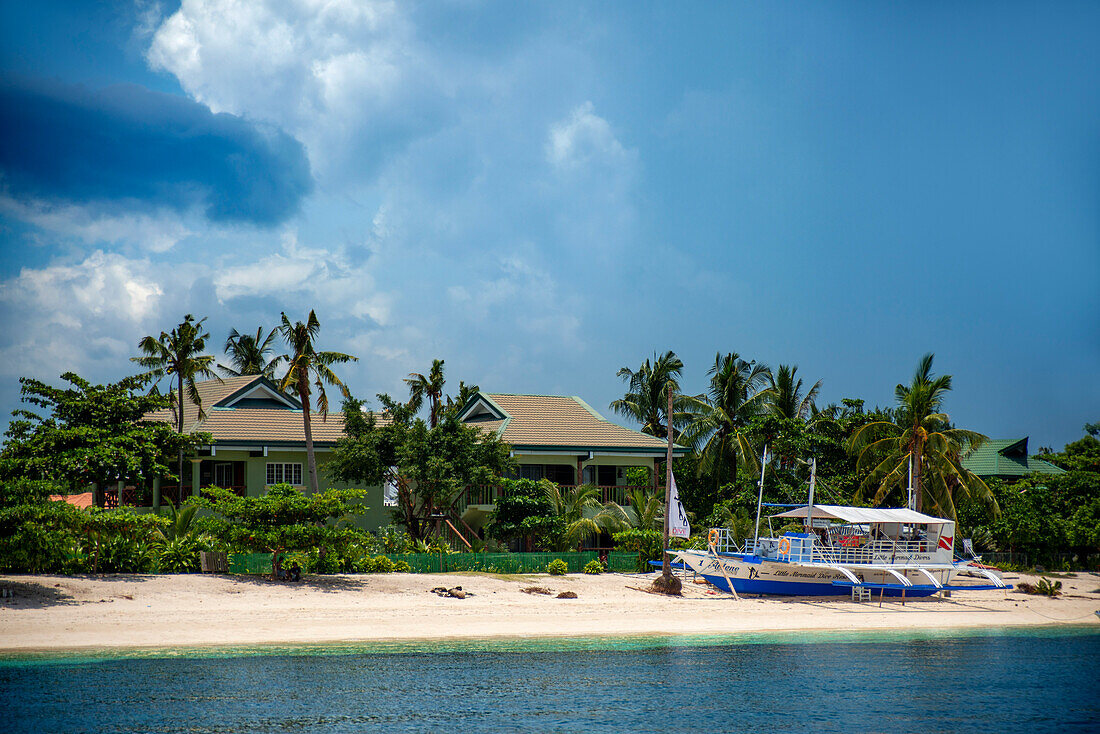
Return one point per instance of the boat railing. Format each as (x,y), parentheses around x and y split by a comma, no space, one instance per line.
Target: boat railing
(803,548)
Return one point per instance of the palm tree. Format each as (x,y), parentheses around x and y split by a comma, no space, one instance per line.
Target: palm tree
(735,395)
(248,354)
(646,509)
(786,399)
(430,387)
(583,513)
(465,392)
(179,353)
(307,363)
(921,437)
(646,399)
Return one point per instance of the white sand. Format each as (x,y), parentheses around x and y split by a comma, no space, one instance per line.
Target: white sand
(58,612)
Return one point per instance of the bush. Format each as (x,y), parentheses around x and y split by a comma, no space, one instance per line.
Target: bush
(593,568)
(179,555)
(557,567)
(646,543)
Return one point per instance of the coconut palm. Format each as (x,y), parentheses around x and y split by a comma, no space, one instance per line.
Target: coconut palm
(429,387)
(646,510)
(737,392)
(248,354)
(646,399)
(583,513)
(305,364)
(178,355)
(786,399)
(920,436)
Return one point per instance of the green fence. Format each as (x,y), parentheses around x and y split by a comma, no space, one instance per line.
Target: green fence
(260,563)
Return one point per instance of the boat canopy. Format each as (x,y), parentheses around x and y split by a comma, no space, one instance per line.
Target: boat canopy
(862,515)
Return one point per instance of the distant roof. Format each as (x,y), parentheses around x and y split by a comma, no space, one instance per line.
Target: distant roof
(865,514)
(1006,457)
(252,410)
(555,422)
(84,499)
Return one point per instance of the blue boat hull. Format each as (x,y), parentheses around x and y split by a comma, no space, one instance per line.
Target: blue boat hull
(800,588)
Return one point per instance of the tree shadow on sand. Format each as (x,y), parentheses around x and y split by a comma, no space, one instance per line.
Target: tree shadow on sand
(316,583)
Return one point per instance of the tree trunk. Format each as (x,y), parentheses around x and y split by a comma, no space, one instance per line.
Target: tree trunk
(179,425)
(311,459)
(917,489)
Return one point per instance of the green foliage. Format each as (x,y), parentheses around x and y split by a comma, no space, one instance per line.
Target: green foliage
(524,513)
(1042,514)
(14,492)
(646,543)
(646,399)
(1081,455)
(639,476)
(179,554)
(1044,587)
(557,567)
(393,539)
(433,465)
(283,519)
(921,437)
(89,434)
(582,514)
(593,568)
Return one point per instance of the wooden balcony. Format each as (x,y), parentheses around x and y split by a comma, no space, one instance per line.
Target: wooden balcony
(488,494)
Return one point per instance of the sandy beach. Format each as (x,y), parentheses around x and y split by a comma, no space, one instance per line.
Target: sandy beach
(59,612)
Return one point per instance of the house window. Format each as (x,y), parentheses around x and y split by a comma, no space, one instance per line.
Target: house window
(284,473)
(530,471)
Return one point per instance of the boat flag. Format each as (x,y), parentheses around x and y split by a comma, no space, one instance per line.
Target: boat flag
(678,526)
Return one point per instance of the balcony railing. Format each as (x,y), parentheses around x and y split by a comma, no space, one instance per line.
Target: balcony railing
(488,494)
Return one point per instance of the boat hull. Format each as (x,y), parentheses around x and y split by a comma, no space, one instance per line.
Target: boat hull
(755,575)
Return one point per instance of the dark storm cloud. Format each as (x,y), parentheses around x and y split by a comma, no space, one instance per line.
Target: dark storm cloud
(139,149)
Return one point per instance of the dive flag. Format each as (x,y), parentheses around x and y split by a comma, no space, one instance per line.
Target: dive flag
(946,542)
(678,526)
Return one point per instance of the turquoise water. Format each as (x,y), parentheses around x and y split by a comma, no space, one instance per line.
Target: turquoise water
(995,681)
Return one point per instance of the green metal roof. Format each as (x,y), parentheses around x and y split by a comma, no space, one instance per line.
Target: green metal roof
(1007,457)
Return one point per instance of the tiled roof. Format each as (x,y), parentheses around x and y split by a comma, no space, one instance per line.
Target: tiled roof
(253,425)
(550,421)
(1006,457)
(211,392)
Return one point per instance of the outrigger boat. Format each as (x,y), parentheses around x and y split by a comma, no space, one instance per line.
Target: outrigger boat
(842,550)
(894,551)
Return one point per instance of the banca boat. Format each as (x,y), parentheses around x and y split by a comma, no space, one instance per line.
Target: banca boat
(897,552)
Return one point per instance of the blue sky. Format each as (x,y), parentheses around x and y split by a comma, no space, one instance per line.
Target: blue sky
(541,194)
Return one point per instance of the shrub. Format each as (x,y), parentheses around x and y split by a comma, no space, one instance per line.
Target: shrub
(646,543)
(179,555)
(557,567)
(593,568)
(402,567)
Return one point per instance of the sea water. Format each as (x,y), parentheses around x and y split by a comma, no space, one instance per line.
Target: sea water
(988,681)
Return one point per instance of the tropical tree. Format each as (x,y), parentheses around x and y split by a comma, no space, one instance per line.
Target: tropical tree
(248,354)
(920,439)
(178,355)
(465,392)
(305,364)
(786,399)
(583,514)
(428,387)
(737,392)
(646,399)
(646,508)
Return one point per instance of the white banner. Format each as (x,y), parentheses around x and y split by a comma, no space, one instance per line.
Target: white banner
(678,526)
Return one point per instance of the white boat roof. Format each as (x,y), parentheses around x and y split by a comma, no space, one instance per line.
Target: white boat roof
(865,514)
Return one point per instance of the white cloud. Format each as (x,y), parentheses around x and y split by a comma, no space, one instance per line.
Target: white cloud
(583,138)
(325,275)
(328,71)
(69,316)
(158,233)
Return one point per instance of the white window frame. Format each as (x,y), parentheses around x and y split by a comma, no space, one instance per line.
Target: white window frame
(283,472)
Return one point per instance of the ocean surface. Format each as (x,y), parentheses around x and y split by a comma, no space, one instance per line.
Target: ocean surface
(1045,680)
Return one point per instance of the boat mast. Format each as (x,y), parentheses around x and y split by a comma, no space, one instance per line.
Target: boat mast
(760,498)
(810,508)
